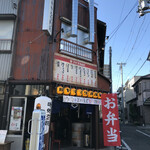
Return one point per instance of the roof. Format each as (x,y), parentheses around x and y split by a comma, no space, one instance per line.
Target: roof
(141,78)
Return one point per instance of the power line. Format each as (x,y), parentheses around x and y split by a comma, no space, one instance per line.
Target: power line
(129,37)
(146,28)
(135,40)
(119,20)
(134,66)
(117,28)
(140,67)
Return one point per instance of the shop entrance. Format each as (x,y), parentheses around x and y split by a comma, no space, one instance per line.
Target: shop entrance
(16,119)
(20,112)
(72,124)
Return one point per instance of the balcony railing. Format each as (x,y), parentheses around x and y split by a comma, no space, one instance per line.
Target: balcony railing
(75,50)
(5,45)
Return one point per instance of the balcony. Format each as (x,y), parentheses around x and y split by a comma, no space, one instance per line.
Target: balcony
(5,44)
(75,50)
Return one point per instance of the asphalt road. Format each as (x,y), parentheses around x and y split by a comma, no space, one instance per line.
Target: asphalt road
(135,138)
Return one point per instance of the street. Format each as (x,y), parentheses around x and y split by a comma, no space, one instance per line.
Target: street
(135,137)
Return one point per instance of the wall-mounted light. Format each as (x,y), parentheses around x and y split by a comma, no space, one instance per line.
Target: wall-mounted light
(62,30)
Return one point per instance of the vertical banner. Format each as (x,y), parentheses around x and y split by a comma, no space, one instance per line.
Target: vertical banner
(110,115)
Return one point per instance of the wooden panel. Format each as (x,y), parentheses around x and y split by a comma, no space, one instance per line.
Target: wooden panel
(32,49)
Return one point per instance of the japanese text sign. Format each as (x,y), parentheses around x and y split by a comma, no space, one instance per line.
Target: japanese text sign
(74,71)
(111,126)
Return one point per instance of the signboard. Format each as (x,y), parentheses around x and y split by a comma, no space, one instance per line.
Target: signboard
(70,70)
(42,131)
(46,104)
(37,130)
(110,120)
(15,119)
(2,136)
(81,100)
(48,15)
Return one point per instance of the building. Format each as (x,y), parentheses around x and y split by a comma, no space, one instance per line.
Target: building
(142,106)
(59,46)
(130,98)
(106,71)
(8,22)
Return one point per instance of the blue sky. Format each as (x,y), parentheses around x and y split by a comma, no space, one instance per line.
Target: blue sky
(131,43)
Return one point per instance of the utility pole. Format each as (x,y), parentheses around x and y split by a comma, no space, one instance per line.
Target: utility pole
(110,67)
(122,99)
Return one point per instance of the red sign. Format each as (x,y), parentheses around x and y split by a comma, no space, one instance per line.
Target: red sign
(111,126)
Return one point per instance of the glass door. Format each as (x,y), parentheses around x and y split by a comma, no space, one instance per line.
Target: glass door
(16,121)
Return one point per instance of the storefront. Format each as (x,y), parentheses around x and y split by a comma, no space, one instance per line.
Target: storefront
(72,119)
(20,108)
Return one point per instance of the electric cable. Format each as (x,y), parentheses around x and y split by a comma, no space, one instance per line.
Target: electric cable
(129,39)
(119,20)
(146,28)
(134,66)
(117,28)
(135,40)
(140,67)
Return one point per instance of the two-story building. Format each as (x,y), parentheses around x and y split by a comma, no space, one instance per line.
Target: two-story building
(130,99)
(142,90)
(57,44)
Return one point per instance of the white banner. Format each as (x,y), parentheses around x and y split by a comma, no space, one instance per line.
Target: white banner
(81,100)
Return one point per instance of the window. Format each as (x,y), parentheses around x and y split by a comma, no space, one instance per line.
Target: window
(75,46)
(139,88)
(6,34)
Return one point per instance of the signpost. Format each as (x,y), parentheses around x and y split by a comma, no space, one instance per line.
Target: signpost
(37,130)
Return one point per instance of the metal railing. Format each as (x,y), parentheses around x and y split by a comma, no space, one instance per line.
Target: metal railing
(75,50)
(5,44)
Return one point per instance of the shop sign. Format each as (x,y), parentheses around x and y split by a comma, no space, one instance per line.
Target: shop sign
(81,100)
(78,92)
(15,119)
(3,134)
(70,70)
(111,129)
(46,104)
(48,16)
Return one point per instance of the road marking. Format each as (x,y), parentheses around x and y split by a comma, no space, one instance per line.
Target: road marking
(126,145)
(143,133)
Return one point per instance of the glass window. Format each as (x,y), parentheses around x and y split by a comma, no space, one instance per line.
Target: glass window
(6,34)
(16,117)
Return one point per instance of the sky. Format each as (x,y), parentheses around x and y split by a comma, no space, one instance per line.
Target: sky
(130,42)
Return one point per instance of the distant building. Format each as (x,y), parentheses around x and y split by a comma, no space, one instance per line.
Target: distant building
(142,105)
(130,97)
(106,71)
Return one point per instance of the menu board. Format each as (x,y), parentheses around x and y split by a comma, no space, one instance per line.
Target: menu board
(15,119)
(3,134)
(70,70)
